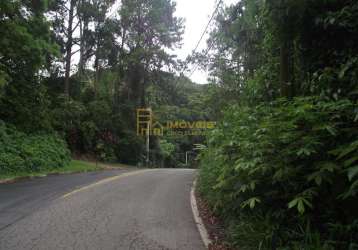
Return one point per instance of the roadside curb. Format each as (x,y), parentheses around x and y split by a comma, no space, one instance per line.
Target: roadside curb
(198,221)
(16,179)
(7,181)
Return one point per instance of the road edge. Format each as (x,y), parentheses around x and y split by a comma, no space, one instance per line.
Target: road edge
(198,221)
(31,177)
(37,176)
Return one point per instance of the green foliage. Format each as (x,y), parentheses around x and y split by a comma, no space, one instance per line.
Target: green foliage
(130,148)
(166,148)
(79,166)
(87,128)
(97,113)
(291,163)
(285,160)
(21,153)
(26,47)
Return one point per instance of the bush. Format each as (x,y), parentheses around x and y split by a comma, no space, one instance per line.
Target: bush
(20,152)
(290,162)
(129,148)
(89,128)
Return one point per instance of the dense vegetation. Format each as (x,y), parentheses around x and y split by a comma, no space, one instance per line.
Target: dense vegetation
(79,69)
(20,152)
(281,168)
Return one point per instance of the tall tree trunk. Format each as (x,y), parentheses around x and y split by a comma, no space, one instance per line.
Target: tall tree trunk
(117,83)
(69,44)
(96,76)
(97,59)
(142,94)
(83,46)
(80,62)
(143,87)
(285,74)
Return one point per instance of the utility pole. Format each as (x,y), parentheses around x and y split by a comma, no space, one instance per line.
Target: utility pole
(144,126)
(186,157)
(147,146)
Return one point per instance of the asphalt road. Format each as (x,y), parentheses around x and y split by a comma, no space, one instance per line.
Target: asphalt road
(144,209)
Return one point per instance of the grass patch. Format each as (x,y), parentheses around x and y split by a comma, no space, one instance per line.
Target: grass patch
(75,166)
(78,166)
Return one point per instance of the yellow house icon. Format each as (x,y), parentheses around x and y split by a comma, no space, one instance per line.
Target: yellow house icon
(157,129)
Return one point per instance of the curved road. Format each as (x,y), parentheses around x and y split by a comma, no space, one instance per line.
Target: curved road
(144,209)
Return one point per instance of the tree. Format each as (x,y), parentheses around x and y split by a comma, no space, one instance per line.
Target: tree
(285,18)
(235,48)
(25,49)
(147,29)
(282,161)
(98,41)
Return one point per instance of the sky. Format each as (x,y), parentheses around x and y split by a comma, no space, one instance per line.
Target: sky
(197,14)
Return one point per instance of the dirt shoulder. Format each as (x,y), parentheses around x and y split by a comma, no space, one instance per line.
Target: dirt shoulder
(213,225)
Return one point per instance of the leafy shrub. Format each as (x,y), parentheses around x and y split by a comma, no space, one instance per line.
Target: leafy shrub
(105,152)
(20,152)
(129,148)
(68,116)
(290,161)
(88,128)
